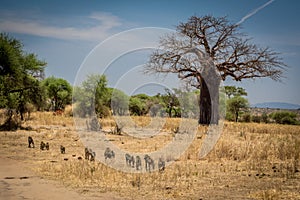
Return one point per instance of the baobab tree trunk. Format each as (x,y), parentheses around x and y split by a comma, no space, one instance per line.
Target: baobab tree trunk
(209,96)
(209,104)
(204,104)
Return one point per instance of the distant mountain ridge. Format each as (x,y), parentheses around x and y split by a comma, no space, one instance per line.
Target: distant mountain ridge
(279,105)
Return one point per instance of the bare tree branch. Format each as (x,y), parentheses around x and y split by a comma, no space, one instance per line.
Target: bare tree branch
(231,51)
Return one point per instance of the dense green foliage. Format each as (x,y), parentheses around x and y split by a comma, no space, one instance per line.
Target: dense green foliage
(236,104)
(20,73)
(284,117)
(232,91)
(92,96)
(58,92)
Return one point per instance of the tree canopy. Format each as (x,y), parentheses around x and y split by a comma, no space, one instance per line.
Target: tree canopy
(205,50)
(58,91)
(20,73)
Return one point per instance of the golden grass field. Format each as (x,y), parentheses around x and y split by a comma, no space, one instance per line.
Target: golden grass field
(250,161)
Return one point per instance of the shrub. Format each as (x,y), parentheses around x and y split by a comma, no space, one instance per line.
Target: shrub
(256,118)
(264,118)
(229,116)
(246,117)
(284,117)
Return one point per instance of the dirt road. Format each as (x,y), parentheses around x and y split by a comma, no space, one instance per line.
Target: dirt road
(18,182)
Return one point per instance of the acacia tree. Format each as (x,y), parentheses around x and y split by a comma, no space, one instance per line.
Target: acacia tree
(236,105)
(232,91)
(204,51)
(92,95)
(20,73)
(59,91)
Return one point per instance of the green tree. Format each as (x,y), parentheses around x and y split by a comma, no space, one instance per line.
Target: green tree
(20,73)
(232,91)
(284,117)
(171,103)
(139,104)
(92,96)
(188,101)
(235,105)
(119,102)
(59,92)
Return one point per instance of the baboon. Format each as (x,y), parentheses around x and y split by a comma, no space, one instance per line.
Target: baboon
(138,163)
(86,153)
(62,149)
(118,129)
(161,164)
(89,154)
(93,155)
(42,146)
(176,129)
(47,146)
(129,160)
(149,163)
(30,142)
(109,153)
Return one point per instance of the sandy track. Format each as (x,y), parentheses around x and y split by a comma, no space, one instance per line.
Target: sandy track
(18,182)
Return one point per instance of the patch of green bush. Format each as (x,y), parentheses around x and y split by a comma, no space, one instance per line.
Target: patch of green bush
(285,117)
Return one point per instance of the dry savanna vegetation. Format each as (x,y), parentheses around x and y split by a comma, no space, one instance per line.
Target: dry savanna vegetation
(250,161)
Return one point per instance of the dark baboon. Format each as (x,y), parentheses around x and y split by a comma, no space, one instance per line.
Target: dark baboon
(86,153)
(42,146)
(93,155)
(129,160)
(161,164)
(30,142)
(109,153)
(138,163)
(89,154)
(47,146)
(149,163)
(118,129)
(176,129)
(62,149)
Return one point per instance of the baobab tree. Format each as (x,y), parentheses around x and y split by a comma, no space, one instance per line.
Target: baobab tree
(205,50)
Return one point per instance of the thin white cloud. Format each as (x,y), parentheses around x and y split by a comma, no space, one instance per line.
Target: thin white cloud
(102,28)
(254,12)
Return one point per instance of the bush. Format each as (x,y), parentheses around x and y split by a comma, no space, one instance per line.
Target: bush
(246,117)
(229,116)
(284,117)
(256,118)
(264,118)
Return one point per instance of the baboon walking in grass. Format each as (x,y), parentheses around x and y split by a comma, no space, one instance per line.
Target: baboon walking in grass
(161,164)
(149,163)
(47,146)
(109,153)
(138,163)
(30,142)
(62,149)
(129,160)
(42,145)
(93,156)
(89,154)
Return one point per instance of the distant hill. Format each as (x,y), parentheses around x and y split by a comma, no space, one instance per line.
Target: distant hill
(279,105)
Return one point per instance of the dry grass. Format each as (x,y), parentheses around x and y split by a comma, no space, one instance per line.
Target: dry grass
(250,161)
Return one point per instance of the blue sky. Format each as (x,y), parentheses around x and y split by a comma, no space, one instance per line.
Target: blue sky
(63,33)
